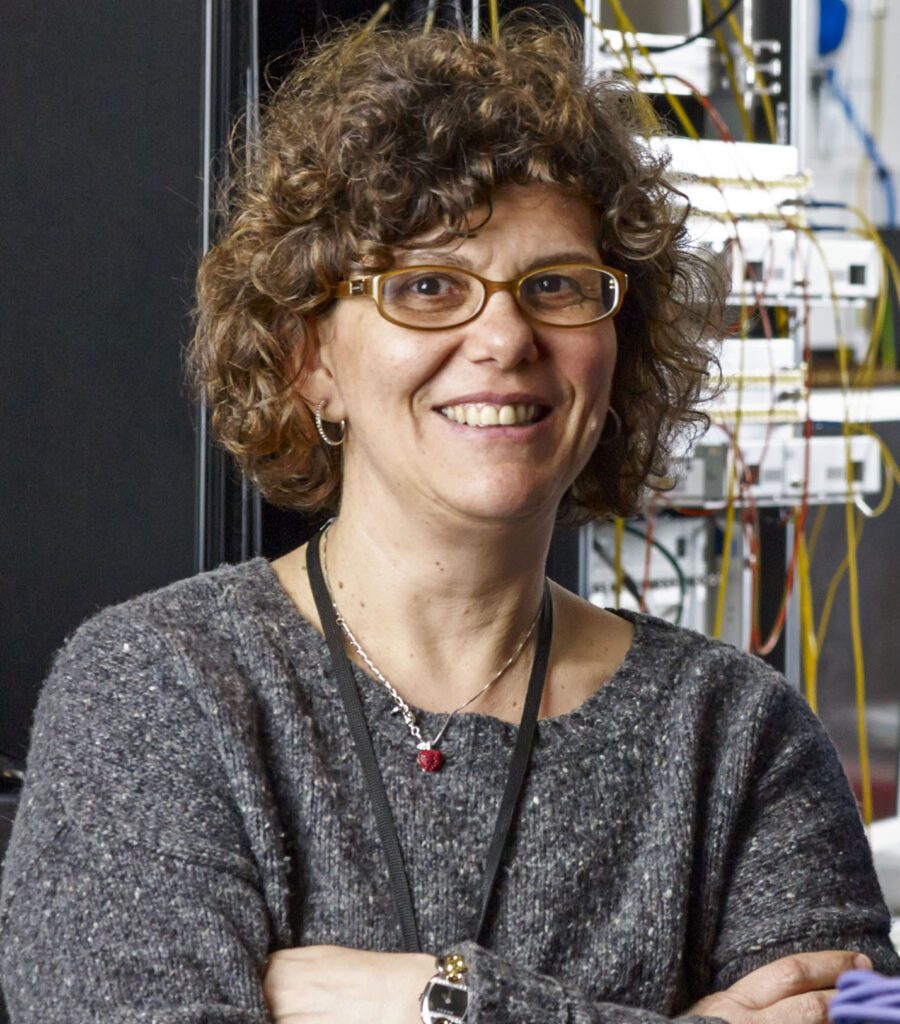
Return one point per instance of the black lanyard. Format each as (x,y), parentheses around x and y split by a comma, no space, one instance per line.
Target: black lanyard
(384,818)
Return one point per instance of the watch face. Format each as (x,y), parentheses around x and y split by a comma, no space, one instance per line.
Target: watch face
(443,998)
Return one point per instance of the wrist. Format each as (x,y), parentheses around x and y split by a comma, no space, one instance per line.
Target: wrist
(420,969)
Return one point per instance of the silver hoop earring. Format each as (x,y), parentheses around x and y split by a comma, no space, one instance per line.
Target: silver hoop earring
(320,427)
(618,429)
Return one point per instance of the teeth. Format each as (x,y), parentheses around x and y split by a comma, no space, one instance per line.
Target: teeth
(485,415)
(507,415)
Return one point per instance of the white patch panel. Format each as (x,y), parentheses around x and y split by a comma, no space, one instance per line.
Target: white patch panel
(848,268)
(754,358)
(828,327)
(777,469)
(728,179)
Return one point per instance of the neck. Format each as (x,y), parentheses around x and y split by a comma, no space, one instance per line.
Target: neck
(438,607)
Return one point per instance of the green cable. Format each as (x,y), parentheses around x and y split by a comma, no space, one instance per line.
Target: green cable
(672,560)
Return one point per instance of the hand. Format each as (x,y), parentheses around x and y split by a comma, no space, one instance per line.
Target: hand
(793,990)
(333,985)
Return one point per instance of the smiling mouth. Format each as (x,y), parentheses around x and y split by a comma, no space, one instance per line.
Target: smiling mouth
(486,414)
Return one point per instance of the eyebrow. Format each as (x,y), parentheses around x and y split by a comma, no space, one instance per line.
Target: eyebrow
(449,257)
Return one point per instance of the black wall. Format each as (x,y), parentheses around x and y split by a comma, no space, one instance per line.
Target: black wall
(100,160)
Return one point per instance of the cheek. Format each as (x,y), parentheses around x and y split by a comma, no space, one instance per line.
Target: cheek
(595,366)
(399,372)
(366,357)
(395,365)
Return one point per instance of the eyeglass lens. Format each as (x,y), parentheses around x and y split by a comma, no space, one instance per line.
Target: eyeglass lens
(567,296)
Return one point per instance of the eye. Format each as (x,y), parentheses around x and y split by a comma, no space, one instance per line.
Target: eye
(430,285)
(421,288)
(551,287)
(551,284)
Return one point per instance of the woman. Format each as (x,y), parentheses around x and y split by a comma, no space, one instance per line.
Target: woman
(453,307)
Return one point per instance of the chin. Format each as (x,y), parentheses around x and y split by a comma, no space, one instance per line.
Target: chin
(506,504)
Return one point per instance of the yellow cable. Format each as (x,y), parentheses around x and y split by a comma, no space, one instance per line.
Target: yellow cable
(830,596)
(890,263)
(625,26)
(726,552)
(814,640)
(809,647)
(859,672)
(626,57)
(816,529)
(850,518)
(887,494)
(853,583)
(867,369)
(892,474)
(855,529)
(728,61)
(618,535)
(377,17)
(888,458)
(833,585)
(598,25)
(798,182)
(852,532)
(495,21)
(764,97)
(732,484)
(863,376)
(625,54)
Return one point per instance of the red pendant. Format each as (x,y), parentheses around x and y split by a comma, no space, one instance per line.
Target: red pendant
(430,760)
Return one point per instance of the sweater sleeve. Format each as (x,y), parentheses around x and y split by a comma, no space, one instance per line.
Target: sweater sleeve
(501,992)
(129,893)
(798,874)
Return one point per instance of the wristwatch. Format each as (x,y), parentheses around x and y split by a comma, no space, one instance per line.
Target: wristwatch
(445,999)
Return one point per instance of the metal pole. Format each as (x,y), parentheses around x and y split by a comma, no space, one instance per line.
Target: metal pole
(202,467)
(799,84)
(228,510)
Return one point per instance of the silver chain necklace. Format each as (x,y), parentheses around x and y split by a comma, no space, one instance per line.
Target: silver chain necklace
(429,758)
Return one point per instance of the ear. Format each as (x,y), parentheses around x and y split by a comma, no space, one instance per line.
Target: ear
(311,369)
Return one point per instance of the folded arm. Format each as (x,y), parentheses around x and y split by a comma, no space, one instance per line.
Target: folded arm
(129,891)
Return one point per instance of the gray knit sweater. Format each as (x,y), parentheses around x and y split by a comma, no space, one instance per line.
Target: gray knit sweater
(194,802)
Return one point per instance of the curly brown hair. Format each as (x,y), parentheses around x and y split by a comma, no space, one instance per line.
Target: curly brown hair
(380,136)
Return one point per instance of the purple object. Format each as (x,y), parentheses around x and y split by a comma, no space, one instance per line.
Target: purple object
(864,996)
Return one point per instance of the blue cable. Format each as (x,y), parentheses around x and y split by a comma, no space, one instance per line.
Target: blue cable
(885,178)
(865,997)
(832,25)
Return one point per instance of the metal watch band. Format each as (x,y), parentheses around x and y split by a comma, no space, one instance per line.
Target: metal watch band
(444,1002)
(445,999)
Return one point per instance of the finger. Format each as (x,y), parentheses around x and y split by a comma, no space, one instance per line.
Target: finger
(791,976)
(808,1008)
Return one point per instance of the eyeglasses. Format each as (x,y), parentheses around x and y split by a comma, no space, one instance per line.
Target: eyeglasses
(431,298)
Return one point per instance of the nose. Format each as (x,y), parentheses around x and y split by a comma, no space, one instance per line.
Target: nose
(501,333)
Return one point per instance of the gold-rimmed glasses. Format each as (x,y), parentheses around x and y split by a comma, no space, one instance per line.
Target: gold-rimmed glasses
(432,297)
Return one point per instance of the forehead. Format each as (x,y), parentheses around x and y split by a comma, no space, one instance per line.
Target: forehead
(522,221)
